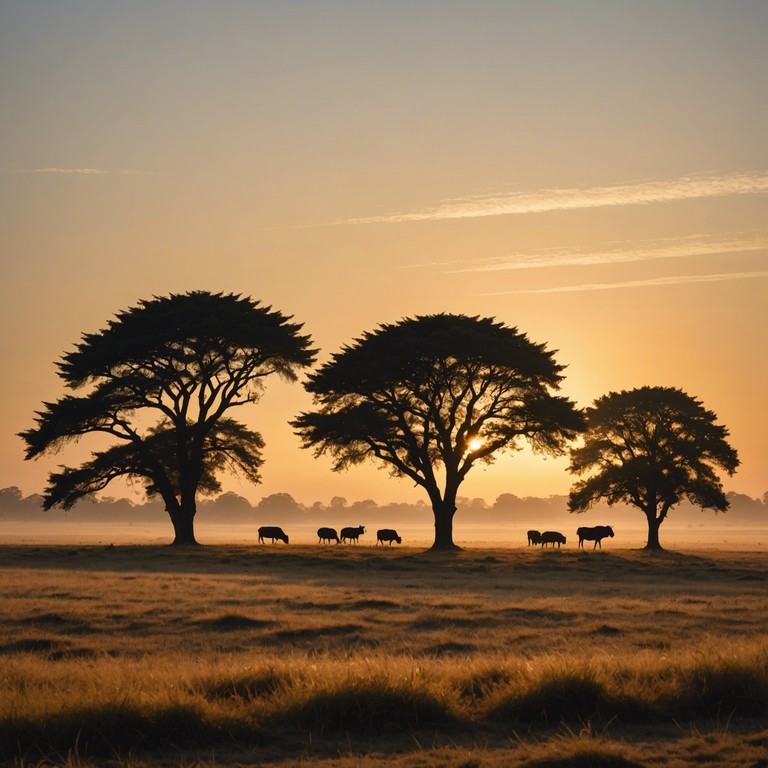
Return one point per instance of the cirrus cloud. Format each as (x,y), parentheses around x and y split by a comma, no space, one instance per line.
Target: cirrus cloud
(618,253)
(68,171)
(651,282)
(77,171)
(562,199)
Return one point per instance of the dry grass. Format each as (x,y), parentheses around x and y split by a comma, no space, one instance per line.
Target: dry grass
(254,656)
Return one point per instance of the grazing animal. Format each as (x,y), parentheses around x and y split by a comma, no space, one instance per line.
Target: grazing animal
(387,534)
(552,537)
(596,534)
(534,537)
(353,534)
(327,534)
(272,532)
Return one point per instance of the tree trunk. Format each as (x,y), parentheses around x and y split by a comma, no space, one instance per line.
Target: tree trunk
(183,519)
(444,513)
(654,523)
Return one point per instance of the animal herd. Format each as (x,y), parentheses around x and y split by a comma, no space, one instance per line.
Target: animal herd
(388,535)
(327,535)
(596,533)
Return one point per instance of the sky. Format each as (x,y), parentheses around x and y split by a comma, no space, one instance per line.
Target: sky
(594,173)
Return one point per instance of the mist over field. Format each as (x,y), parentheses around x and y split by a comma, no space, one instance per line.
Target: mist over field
(230,518)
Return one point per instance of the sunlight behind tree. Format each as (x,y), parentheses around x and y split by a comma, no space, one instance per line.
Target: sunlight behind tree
(418,395)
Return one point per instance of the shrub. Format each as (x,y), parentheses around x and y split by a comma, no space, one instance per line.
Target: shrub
(723,685)
(554,697)
(368,706)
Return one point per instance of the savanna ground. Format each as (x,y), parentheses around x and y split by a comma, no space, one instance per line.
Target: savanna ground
(349,656)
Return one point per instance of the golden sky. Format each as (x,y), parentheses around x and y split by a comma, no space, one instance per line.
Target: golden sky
(594,173)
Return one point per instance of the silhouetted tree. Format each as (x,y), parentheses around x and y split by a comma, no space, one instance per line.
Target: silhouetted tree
(280,508)
(650,448)
(188,359)
(432,396)
(228,507)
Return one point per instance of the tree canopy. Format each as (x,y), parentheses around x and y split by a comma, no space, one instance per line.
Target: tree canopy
(189,359)
(431,396)
(651,448)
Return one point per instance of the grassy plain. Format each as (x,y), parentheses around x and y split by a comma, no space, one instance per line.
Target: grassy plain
(360,657)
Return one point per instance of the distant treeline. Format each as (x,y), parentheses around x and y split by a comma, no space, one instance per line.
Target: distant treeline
(282,508)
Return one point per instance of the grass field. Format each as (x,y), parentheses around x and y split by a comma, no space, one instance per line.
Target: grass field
(353,656)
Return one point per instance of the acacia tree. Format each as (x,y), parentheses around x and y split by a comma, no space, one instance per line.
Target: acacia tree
(184,360)
(651,448)
(432,396)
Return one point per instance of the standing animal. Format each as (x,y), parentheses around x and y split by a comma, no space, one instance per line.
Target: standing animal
(534,537)
(387,534)
(552,537)
(596,534)
(327,534)
(353,534)
(272,532)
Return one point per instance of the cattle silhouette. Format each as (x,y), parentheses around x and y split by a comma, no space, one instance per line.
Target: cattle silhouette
(552,537)
(597,533)
(534,537)
(353,534)
(272,532)
(327,534)
(387,534)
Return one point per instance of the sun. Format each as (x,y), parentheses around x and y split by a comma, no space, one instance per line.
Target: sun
(475,444)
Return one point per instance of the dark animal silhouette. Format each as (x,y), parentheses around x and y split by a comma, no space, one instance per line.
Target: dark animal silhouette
(327,534)
(353,534)
(387,534)
(596,534)
(272,532)
(552,537)
(534,537)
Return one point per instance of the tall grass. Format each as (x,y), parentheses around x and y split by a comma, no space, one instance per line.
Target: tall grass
(124,657)
(112,707)
(721,683)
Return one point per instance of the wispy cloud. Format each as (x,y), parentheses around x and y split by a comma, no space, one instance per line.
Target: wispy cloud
(86,171)
(76,171)
(652,282)
(623,252)
(541,201)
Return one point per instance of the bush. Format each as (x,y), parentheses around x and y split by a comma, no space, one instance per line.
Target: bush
(553,698)
(720,686)
(368,707)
